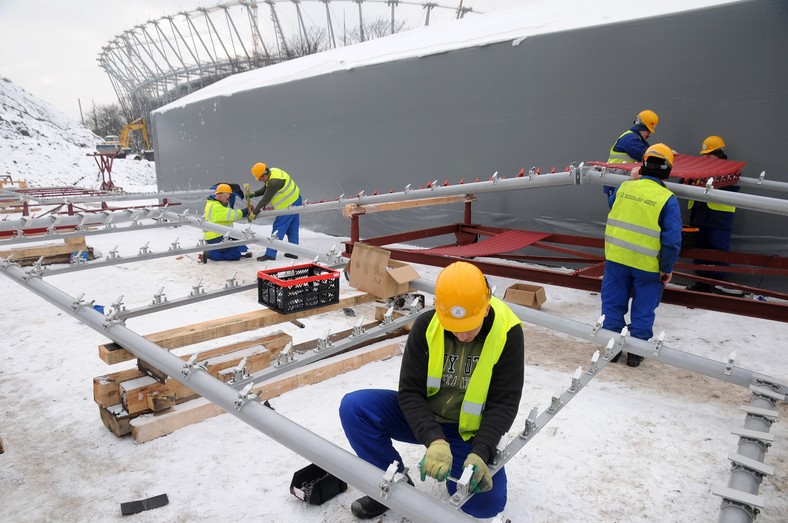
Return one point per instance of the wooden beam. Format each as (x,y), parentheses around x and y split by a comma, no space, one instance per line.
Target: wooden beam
(106,388)
(112,353)
(353,209)
(150,426)
(52,252)
(134,394)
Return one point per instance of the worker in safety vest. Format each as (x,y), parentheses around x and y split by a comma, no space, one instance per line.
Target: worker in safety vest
(218,211)
(460,384)
(642,243)
(713,220)
(630,146)
(282,193)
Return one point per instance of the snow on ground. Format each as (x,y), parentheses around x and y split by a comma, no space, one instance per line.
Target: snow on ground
(642,444)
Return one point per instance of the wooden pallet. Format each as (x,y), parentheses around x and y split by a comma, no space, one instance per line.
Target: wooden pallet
(52,252)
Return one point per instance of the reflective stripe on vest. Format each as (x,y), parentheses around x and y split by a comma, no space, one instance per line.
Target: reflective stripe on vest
(476,393)
(714,206)
(287,195)
(632,234)
(219,214)
(619,156)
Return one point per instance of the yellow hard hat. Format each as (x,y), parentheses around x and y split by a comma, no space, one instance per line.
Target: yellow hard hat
(711,144)
(660,150)
(259,169)
(461,297)
(223,188)
(648,118)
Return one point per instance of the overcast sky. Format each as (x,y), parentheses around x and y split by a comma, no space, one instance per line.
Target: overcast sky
(50,47)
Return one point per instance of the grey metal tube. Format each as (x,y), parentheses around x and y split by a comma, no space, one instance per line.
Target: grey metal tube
(644,348)
(756,183)
(744,201)
(403,499)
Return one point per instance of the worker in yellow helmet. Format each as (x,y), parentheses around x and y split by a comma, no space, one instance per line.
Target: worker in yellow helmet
(632,144)
(281,192)
(459,389)
(642,244)
(713,220)
(219,211)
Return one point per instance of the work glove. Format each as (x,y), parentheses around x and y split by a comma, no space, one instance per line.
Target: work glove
(436,462)
(252,216)
(481,481)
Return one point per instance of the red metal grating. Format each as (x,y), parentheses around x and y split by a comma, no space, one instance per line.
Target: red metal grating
(694,170)
(508,241)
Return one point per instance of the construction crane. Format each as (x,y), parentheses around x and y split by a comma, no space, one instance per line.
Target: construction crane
(125,139)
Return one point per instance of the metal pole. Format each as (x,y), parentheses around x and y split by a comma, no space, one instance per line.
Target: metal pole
(403,499)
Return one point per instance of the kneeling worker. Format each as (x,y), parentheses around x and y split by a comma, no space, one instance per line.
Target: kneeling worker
(459,390)
(218,211)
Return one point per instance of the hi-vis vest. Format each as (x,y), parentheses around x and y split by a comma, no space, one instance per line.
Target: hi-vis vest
(220,214)
(479,385)
(288,194)
(714,206)
(619,156)
(632,235)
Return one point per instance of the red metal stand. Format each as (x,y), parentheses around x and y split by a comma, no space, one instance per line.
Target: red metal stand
(104,162)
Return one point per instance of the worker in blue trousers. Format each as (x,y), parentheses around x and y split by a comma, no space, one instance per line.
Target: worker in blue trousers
(630,146)
(713,220)
(282,193)
(642,244)
(218,211)
(460,384)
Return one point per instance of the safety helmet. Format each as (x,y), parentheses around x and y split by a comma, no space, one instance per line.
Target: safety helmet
(259,169)
(711,144)
(461,297)
(648,118)
(661,151)
(223,188)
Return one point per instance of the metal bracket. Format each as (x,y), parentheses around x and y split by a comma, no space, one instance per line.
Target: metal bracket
(323,342)
(285,357)
(391,478)
(174,246)
(530,423)
(245,396)
(358,328)
(729,365)
(609,349)
(231,282)
(197,289)
(113,254)
(191,365)
(658,344)
(389,316)
(239,372)
(598,324)
(144,249)
(159,297)
(555,402)
(594,363)
(462,486)
(500,450)
(575,386)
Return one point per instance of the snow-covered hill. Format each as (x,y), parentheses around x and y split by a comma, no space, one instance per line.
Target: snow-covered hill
(40,144)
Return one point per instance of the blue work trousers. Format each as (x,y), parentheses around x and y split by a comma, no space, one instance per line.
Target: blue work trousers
(286,225)
(717,239)
(228,254)
(372,418)
(619,284)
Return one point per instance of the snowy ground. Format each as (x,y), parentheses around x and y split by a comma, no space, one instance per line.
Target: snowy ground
(642,444)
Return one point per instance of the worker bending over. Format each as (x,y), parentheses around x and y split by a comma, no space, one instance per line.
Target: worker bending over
(281,192)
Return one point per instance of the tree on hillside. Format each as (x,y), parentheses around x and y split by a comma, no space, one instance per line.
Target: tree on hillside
(106,119)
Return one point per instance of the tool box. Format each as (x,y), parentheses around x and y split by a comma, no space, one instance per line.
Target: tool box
(297,288)
(315,486)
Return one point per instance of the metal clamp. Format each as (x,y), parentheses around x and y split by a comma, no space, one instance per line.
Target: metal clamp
(609,349)
(658,344)
(576,384)
(144,249)
(530,423)
(285,357)
(231,282)
(174,246)
(159,297)
(323,342)
(358,328)
(598,324)
(555,402)
(245,396)
(729,365)
(463,485)
(191,365)
(239,372)
(390,479)
(594,363)
(389,316)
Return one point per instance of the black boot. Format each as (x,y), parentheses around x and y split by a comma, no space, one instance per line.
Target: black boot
(615,358)
(633,360)
(368,507)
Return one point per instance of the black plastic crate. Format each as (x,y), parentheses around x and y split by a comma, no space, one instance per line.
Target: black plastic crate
(315,486)
(297,288)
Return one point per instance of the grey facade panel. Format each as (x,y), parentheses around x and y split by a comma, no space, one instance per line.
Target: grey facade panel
(548,101)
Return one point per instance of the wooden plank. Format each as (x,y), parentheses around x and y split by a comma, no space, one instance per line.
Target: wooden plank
(355,209)
(273,342)
(106,388)
(161,400)
(112,353)
(116,419)
(134,394)
(150,426)
(71,244)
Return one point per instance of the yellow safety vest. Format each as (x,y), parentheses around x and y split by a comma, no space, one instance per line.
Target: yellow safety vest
(632,234)
(619,156)
(476,393)
(219,214)
(714,206)
(288,194)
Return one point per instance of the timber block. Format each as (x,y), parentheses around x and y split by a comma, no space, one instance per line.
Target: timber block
(161,400)
(106,388)
(52,252)
(135,394)
(116,419)
(150,426)
(112,353)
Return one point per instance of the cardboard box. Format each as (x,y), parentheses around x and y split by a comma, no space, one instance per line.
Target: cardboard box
(372,271)
(532,296)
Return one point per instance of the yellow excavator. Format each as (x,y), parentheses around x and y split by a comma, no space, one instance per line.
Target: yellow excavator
(125,138)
